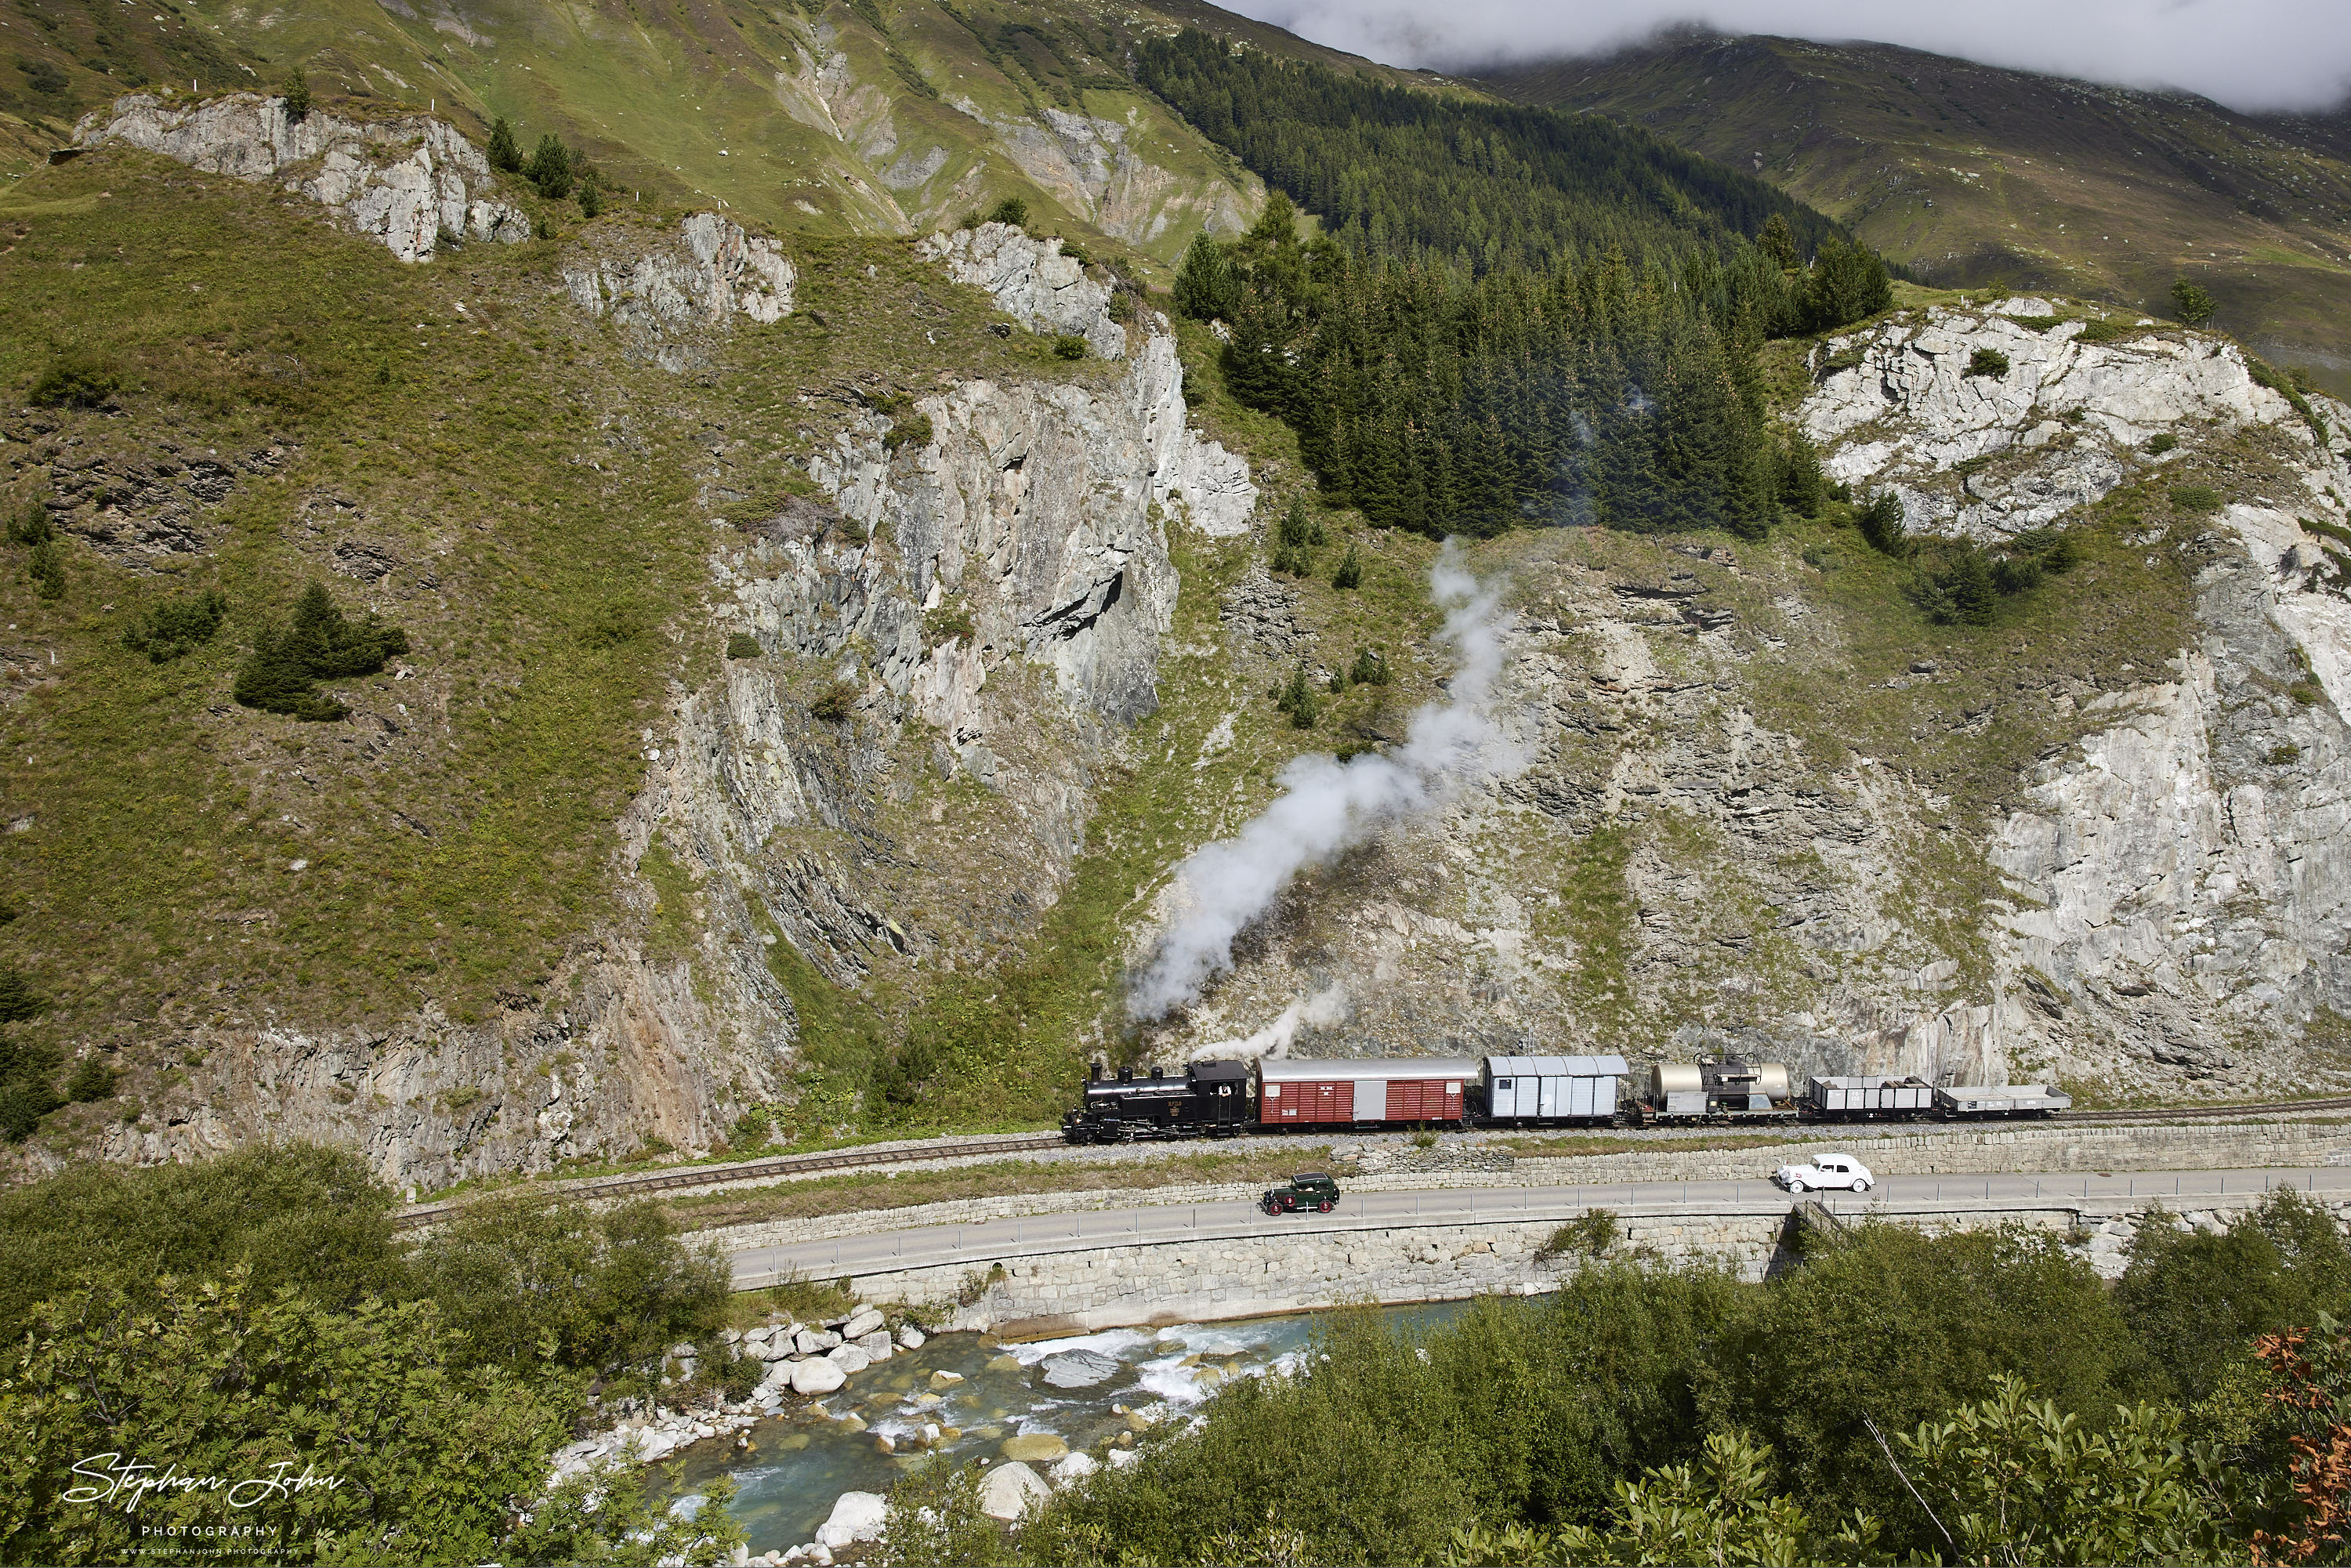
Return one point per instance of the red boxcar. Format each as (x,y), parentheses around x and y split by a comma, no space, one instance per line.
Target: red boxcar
(1292,1093)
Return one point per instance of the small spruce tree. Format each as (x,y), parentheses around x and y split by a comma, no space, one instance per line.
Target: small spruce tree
(1370,668)
(297,96)
(549,168)
(2190,303)
(1011,211)
(1351,569)
(1880,521)
(1296,699)
(505,156)
(1777,242)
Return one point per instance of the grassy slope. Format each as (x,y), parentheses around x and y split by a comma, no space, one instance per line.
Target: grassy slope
(682,102)
(537,487)
(1973,174)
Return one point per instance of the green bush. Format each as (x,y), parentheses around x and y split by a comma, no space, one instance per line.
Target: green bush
(2196,1299)
(2099,332)
(534,1281)
(2161,442)
(504,155)
(549,168)
(914,429)
(1012,210)
(1069,346)
(2190,303)
(92,1080)
(1349,572)
(1589,1235)
(1880,522)
(316,643)
(591,199)
(28,1090)
(30,525)
(46,565)
(18,999)
(742,645)
(1987,362)
(177,626)
(2195,500)
(1847,283)
(949,622)
(75,380)
(1370,668)
(297,96)
(835,703)
(1296,699)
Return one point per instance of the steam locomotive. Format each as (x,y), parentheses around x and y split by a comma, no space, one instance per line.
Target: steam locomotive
(1226,1099)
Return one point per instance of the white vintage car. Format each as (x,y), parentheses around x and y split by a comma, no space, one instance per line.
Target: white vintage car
(1824,1171)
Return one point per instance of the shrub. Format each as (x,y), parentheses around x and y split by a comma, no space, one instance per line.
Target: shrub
(835,703)
(44,78)
(1987,362)
(504,155)
(2190,303)
(742,645)
(76,380)
(1297,526)
(31,524)
(2161,442)
(949,622)
(2196,500)
(1589,1235)
(297,96)
(591,199)
(1880,522)
(1847,282)
(612,622)
(549,168)
(2097,332)
(2282,756)
(1956,584)
(752,1130)
(1069,346)
(177,626)
(316,643)
(46,565)
(1012,210)
(1370,668)
(92,1080)
(914,429)
(1350,573)
(28,1091)
(1296,699)
(18,999)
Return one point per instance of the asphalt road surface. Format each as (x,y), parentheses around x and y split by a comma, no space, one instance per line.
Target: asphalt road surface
(1046,1233)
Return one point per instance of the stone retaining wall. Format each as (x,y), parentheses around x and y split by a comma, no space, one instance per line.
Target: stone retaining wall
(1196,1281)
(1934,1151)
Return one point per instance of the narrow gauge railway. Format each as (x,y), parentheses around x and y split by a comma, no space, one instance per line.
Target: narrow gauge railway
(1228,1099)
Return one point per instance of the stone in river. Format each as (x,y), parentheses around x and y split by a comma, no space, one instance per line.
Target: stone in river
(1035,1448)
(1079,1369)
(1008,1490)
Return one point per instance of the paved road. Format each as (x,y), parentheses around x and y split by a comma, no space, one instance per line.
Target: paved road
(1003,1238)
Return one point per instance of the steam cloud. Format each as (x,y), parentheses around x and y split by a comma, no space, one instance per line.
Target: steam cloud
(1328,807)
(1320,1010)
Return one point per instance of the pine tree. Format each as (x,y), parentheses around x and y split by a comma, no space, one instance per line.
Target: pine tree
(1973,596)
(1296,699)
(1778,243)
(502,152)
(1880,522)
(2192,304)
(549,168)
(1350,574)
(297,96)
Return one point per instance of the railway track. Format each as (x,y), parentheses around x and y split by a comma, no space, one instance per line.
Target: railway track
(854,1159)
(748,1170)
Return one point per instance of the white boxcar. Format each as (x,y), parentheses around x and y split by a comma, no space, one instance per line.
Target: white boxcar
(1868,1096)
(1552,1088)
(2001,1100)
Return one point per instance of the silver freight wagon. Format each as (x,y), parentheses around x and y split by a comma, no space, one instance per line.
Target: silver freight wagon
(1552,1088)
(1868,1096)
(2001,1100)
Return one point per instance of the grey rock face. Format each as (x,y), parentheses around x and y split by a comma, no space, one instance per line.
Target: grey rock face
(716,272)
(406,182)
(1032,280)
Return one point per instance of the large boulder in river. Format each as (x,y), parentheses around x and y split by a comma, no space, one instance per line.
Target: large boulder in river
(856,1516)
(1010,1490)
(864,1323)
(1079,1369)
(816,1375)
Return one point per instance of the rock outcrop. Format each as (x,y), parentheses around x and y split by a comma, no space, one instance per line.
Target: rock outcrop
(411,183)
(1032,281)
(660,298)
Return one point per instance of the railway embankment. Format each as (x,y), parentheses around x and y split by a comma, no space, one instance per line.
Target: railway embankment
(1966,1150)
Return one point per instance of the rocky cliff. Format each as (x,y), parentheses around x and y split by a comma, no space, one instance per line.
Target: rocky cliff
(1769,807)
(414,182)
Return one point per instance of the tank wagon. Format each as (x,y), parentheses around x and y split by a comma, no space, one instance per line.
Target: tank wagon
(1226,1099)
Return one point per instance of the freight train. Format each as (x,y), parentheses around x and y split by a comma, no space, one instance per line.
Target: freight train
(1227,1099)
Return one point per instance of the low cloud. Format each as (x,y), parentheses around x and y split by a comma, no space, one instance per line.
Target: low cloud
(2251,55)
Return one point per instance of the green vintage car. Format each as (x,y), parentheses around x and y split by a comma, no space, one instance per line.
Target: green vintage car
(1307,1189)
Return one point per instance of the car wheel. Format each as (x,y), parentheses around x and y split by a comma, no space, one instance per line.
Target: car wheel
(1796,1184)
(1323,1206)
(1861,1184)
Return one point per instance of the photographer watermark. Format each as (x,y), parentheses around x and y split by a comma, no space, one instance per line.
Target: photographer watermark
(111,1477)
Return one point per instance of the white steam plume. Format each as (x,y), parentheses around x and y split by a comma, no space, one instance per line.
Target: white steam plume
(1320,1010)
(1328,807)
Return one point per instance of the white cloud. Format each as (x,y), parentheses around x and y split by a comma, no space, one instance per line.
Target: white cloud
(2251,55)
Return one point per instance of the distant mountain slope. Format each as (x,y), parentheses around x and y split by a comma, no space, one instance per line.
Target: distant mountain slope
(1971,174)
